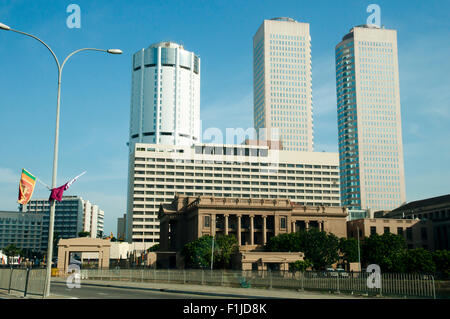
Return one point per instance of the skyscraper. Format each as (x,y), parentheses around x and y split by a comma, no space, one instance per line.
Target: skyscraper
(165,96)
(282,97)
(369,119)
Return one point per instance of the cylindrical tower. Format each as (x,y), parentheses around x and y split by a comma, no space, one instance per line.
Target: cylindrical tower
(165,96)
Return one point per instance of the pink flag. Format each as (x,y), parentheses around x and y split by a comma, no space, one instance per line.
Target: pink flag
(57,193)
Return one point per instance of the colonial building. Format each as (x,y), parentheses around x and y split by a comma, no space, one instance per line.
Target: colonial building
(252,221)
(417,233)
(435,210)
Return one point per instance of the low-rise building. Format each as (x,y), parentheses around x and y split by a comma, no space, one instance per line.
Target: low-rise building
(418,234)
(435,210)
(252,221)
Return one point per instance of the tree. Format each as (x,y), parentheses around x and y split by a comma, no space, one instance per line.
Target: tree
(384,250)
(11,250)
(197,253)
(349,248)
(441,259)
(300,265)
(418,260)
(84,234)
(227,245)
(320,248)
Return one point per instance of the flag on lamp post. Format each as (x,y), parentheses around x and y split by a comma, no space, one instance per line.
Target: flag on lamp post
(57,193)
(26,187)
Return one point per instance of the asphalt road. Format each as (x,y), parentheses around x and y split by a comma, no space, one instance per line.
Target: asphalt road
(96,292)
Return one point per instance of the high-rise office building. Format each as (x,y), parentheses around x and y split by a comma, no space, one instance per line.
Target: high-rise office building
(369,119)
(158,172)
(282,97)
(165,96)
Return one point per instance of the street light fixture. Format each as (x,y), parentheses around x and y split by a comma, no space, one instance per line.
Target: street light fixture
(55,155)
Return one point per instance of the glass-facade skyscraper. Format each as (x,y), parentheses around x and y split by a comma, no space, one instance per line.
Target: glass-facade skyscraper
(369,119)
(282,98)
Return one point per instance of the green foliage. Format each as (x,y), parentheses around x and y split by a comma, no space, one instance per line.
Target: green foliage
(197,253)
(418,260)
(349,248)
(287,242)
(320,248)
(300,265)
(441,259)
(154,248)
(12,250)
(227,245)
(84,234)
(385,250)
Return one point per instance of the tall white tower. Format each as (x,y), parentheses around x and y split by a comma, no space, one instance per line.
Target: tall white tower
(165,96)
(282,83)
(369,119)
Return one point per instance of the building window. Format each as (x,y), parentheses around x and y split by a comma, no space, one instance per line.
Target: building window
(400,231)
(423,233)
(386,230)
(283,222)
(207,221)
(409,233)
(373,230)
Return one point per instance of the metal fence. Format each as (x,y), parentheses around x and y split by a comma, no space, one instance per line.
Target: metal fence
(23,280)
(400,285)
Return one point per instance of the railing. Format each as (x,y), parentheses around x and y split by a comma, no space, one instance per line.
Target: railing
(400,285)
(23,280)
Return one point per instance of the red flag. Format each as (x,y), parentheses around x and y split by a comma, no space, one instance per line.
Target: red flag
(57,193)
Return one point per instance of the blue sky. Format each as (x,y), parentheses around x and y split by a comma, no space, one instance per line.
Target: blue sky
(95,97)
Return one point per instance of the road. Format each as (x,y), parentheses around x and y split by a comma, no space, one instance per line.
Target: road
(96,292)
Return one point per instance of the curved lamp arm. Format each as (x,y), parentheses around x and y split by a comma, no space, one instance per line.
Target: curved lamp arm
(34,37)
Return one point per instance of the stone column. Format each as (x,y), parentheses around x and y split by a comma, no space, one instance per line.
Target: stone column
(264,229)
(252,231)
(293,227)
(239,229)
(306,224)
(226,224)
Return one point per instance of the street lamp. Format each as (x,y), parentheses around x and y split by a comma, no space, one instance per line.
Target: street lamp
(55,155)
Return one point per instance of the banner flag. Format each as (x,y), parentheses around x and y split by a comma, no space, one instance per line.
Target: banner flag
(57,193)
(26,187)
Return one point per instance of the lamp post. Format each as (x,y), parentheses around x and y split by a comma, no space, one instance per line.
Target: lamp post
(359,254)
(55,154)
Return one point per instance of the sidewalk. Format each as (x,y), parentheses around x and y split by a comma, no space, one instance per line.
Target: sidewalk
(214,290)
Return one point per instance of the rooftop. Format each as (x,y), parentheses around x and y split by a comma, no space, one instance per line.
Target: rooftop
(433,201)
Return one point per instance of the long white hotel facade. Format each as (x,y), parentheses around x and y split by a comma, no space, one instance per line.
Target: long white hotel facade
(157,172)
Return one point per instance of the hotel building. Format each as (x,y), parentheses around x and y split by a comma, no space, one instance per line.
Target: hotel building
(72,215)
(158,172)
(165,96)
